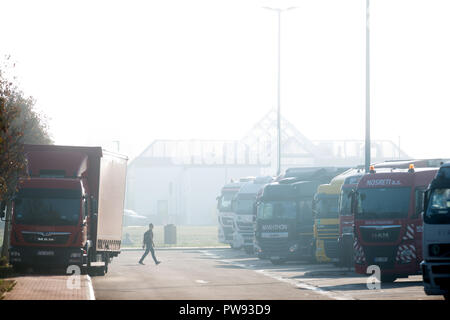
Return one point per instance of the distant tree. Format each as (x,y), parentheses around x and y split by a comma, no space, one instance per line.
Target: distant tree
(19,124)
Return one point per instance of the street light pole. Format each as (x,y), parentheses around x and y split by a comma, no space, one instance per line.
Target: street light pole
(279,11)
(367,144)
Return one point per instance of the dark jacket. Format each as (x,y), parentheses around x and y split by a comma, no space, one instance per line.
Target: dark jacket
(148,238)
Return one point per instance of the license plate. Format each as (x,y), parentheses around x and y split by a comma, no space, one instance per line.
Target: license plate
(45,253)
(381,259)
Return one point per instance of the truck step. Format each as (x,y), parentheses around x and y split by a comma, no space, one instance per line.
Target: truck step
(97,264)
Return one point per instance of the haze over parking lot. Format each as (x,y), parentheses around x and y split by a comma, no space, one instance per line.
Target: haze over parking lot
(135,71)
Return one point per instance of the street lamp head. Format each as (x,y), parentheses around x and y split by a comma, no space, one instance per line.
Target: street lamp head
(279,9)
(273,9)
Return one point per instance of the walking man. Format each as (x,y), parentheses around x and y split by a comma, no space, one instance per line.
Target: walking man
(148,245)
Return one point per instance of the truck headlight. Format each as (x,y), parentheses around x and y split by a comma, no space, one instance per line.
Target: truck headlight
(435,250)
(15,254)
(75,255)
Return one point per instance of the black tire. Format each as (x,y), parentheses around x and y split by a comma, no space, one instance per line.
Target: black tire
(106,263)
(17,268)
(388,278)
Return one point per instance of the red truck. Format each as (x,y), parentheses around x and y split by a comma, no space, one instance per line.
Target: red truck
(69,210)
(346,237)
(387,207)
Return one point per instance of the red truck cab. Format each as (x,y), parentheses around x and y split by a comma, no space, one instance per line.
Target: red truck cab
(57,220)
(387,207)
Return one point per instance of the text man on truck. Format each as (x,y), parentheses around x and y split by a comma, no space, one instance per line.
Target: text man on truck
(436,235)
(387,207)
(69,210)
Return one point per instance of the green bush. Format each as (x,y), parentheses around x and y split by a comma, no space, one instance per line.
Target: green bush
(3,262)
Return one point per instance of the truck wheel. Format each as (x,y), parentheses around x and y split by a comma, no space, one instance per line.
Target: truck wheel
(84,270)
(17,268)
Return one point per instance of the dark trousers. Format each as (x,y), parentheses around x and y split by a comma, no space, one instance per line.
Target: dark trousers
(147,250)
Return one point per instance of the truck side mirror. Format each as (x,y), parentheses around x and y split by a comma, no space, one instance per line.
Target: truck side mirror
(426,199)
(2,209)
(353,202)
(218,202)
(94,206)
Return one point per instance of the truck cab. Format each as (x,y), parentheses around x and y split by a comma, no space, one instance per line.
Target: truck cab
(225,212)
(436,235)
(49,222)
(284,222)
(69,209)
(387,208)
(243,213)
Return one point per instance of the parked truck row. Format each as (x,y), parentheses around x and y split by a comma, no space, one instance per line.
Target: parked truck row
(396,217)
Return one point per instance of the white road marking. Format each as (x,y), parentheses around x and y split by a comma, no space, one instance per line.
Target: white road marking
(293,282)
(90,288)
(201,281)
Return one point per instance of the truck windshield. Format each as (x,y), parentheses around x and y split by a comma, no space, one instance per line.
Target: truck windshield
(277,210)
(345,203)
(438,209)
(383,203)
(47,207)
(225,201)
(244,206)
(327,206)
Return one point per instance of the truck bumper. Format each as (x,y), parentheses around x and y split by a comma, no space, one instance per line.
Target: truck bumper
(436,277)
(284,250)
(327,250)
(243,239)
(225,234)
(45,256)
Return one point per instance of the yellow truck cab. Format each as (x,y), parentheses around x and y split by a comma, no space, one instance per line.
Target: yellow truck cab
(326,219)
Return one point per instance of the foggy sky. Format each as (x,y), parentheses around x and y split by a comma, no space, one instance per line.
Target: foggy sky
(136,71)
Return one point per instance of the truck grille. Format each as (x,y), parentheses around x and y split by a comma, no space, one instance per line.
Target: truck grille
(328,231)
(442,269)
(380,234)
(245,226)
(46,237)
